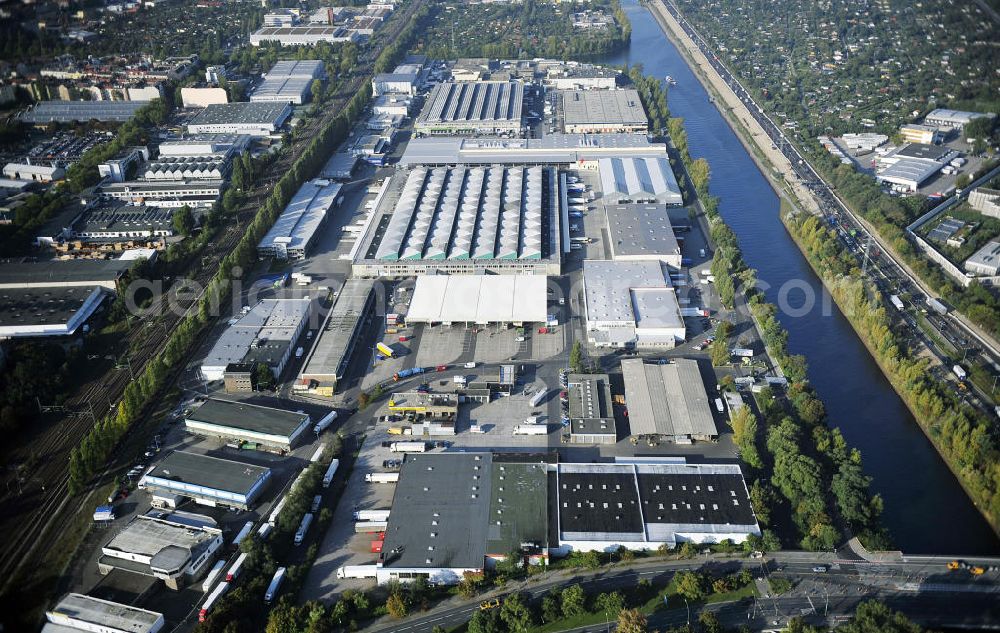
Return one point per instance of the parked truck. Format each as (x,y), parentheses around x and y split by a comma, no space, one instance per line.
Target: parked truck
(325,422)
(459,380)
(960,372)
(234,571)
(300,534)
(243,533)
(273,517)
(357,571)
(272,589)
(896,302)
(382,478)
(385,350)
(406,373)
(741,352)
(206,607)
(212,575)
(368,527)
(408,447)
(317,502)
(264,531)
(330,472)
(937,306)
(538,397)
(317,453)
(531,429)
(371,515)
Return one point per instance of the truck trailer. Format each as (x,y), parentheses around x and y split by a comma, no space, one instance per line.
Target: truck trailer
(243,533)
(531,429)
(300,534)
(234,571)
(324,423)
(382,478)
(206,607)
(538,397)
(896,302)
(272,589)
(368,527)
(408,447)
(317,453)
(385,350)
(960,372)
(371,515)
(330,472)
(212,575)
(357,571)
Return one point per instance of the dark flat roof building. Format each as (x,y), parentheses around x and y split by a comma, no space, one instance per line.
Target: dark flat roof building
(207,479)
(47,311)
(244,422)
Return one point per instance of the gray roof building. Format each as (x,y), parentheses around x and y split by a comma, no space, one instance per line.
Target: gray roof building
(254,119)
(985,261)
(171,551)
(642,232)
(61,274)
(48,310)
(549,150)
(631,179)
(955,119)
(45,112)
(482,107)
(244,422)
(221,481)
(295,229)
(668,400)
(631,304)
(265,334)
(331,353)
(302,68)
(591,413)
(602,111)
(78,612)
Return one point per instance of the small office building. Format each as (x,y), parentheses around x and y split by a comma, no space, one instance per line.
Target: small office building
(242,423)
(210,481)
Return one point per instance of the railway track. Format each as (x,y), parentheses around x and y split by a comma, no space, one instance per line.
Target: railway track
(29,517)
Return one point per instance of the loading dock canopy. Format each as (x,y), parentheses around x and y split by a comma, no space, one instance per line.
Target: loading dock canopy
(478,299)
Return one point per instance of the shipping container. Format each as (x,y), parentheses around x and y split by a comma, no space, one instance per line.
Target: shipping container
(272,589)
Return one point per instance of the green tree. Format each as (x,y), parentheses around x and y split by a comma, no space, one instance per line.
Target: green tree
(183,220)
(551,611)
(573,601)
(486,622)
(263,377)
(576,358)
(610,603)
(396,605)
(516,614)
(632,621)
(745,436)
(690,585)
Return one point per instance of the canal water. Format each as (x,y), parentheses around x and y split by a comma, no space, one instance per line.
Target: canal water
(925,508)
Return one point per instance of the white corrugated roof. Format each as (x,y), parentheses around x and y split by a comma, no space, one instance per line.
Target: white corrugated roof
(478,299)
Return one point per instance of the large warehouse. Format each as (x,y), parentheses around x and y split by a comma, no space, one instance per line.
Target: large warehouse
(253,119)
(631,304)
(48,311)
(479,299)
(303,35)
(471,108)
(176,553)
(45,112)
(500,219)
(331,353)
(261,427)
(289,82)
(630,179)
(207,480)
(453,512)
(668,400)
(953,119)
(551,149)
(264,335)
(642,232)
(296,228)
(602,112)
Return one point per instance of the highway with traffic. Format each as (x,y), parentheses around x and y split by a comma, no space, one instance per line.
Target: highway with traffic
(891,277)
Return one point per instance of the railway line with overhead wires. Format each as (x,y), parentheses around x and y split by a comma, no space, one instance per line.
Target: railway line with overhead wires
(28,516)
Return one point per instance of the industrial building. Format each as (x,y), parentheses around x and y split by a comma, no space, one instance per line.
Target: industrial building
(207,480)
(45,112)
(952,119)
(911,165)
(479,299)
(591,414)
(668,400)
(125,222)
(334,347)
(395,83)
(63,274)
(602,112)
(219,145)
(180,168)
(642,232)
(461,220)
(426,413)
(986,201)
(49,310)
(916,133)
(33,173)
(171,194)
(630,179)
(202,97)
(865,141)
(253,119)
(472,108)
(266,334)
(631,304)
(289,82)
(454,513)
(296,228)
(580,150)
(304,35)
(392,105)
(77,612)
(985,261)
(175,552)
(249,425)
(340,166)
(577,76)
